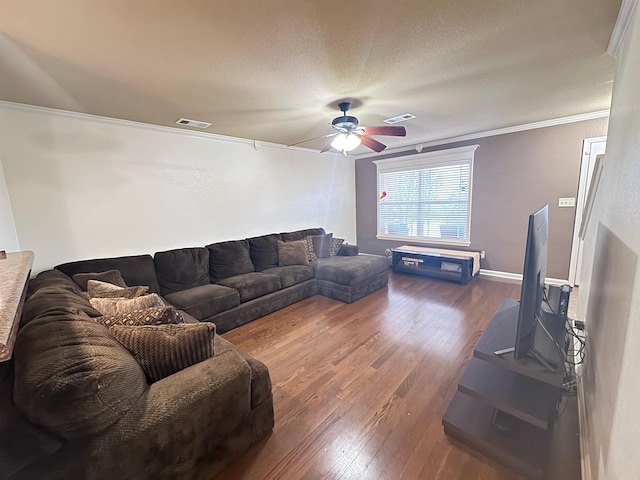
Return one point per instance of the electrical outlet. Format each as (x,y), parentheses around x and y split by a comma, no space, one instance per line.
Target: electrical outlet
(567,202)
(483,254)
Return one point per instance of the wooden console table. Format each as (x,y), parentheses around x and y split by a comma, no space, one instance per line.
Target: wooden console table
(506,408)
(458,266)
(15,270)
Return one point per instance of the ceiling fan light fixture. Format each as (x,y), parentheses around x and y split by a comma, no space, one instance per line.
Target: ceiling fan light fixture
(346,142)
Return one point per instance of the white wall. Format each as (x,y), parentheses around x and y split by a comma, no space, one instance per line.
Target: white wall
(8,234)
(88,187)
(611,297)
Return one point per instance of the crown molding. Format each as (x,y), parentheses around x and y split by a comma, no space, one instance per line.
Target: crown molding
(256,144)
(490,133)
(622,25)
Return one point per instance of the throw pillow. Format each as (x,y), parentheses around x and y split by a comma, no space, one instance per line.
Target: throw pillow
(335,245)
(110,276)
(148,316)
(96,288)
(292,253)
(311,254)
(115,306)
(162,350)
(322,245)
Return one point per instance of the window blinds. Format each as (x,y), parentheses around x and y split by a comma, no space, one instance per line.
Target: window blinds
(428,198)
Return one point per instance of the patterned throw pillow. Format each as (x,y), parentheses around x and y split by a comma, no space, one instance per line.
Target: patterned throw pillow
(292,253)
(162,350)
(311,254)
(110,276)
(96,288)
(148,316)
(115,306)
(335,245)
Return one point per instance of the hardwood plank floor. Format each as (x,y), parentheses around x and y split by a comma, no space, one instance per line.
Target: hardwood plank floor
(360,390)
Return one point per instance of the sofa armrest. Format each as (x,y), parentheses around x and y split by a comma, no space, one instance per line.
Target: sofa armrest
(348,250)
(186,420)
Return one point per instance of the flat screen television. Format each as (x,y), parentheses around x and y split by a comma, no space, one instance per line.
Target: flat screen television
(533,276)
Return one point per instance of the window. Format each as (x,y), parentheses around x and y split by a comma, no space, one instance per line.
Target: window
(426,198)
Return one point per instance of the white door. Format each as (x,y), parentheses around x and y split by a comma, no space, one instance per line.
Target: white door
(591,148)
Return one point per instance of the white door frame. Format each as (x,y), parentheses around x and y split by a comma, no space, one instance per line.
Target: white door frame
(582,196)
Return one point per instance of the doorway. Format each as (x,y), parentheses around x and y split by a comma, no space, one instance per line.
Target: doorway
(591,148)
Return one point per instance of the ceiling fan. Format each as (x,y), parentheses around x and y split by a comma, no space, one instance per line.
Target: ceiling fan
(349,134)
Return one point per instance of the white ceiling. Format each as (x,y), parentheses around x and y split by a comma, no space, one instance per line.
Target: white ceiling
(274,70)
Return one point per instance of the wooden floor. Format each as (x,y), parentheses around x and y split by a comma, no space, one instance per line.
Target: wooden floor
(360,390)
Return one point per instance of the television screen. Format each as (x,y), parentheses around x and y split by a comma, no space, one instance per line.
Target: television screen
(533,276)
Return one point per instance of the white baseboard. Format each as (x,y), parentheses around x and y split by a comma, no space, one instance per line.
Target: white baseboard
(517,277)
(585,463)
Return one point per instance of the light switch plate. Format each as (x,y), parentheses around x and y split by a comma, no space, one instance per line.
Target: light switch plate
(567,202)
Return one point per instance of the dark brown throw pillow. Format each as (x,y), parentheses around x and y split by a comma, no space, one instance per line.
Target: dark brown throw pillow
(98,289)
(162,350)
(110,276)
(148,316)
(292,253)
(322,245)
(115,306)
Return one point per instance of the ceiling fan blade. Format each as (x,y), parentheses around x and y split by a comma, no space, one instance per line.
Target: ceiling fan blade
(371,143)
(391,130)
(315,138)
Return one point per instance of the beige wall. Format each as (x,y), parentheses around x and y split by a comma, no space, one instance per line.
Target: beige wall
(514,175)
(610,298)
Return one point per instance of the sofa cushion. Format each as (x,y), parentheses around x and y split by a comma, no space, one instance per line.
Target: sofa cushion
(182,268)
(349,270)
(73,377)
(292,253)
(148,316)
(109,276)
(292,274)
(228,259)
(135,269)
(205,301)
(253,285)
(162,350)
(117,306)
(322,245)
(98,289)
(56,301)
(264,251)
(301,234)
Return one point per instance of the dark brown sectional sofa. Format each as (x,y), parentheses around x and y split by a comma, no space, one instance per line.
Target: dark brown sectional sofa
(232,283)
(74,403)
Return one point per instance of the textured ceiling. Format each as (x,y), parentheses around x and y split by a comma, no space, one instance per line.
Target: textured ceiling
(274,70)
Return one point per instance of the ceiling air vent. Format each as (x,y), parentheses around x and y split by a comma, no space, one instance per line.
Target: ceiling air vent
(192,123)
(399,118)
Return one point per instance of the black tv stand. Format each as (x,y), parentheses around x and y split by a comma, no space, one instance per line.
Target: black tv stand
(506,408)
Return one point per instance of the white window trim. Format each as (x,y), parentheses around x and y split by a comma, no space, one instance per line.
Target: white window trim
(430,158)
